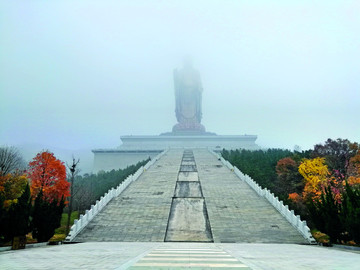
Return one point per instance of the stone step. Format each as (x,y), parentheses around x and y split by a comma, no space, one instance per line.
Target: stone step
(141,212)
(235,212)
(191,257)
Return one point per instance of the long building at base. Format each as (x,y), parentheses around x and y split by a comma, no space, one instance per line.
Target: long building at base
(137,148)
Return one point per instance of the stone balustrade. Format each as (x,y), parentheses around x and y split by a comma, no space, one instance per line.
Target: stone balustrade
(294,220)
(80,223)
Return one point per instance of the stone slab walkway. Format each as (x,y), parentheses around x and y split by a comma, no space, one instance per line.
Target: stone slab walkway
(123,255)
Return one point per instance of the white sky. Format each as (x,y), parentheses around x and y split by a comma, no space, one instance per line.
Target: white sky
(78,74)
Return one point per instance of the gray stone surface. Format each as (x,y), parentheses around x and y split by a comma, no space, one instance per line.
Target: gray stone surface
(194,257)
(188,221)
(186,189)
(188,168)
(188,176)
(236,213)
(123,255)
(141,212)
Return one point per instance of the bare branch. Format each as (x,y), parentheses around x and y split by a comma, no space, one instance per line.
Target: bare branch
(10,160)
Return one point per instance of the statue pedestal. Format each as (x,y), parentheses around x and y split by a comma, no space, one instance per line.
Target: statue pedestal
(188,128)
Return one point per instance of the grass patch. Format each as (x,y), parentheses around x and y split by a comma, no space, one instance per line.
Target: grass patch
(58,237)
(321,237)
(62,228)
(59,232)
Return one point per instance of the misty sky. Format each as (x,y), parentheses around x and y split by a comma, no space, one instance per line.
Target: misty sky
(78,74)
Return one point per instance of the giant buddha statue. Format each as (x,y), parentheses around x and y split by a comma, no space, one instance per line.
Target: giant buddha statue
(188,93)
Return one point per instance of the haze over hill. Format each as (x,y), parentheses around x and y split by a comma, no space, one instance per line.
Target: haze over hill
(77,75)
(29,151)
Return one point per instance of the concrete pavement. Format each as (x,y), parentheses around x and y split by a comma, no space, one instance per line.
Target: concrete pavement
(135,255)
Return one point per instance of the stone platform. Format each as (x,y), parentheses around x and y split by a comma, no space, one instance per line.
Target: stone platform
(236,214)
(138,148)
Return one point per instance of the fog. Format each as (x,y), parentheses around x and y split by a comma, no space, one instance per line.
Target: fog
(78,74)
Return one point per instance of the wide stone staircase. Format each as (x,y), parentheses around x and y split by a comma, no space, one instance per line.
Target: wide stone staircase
(190,196)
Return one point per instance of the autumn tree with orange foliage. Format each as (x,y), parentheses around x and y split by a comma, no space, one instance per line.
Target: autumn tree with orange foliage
(332,189)
(49,188)
(354,170)
(48,175)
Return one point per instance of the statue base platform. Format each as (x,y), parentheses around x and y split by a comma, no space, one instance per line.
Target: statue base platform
(138,148)
(188,133)
(195,128)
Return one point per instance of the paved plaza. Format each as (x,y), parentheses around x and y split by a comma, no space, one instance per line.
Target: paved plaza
(154,255)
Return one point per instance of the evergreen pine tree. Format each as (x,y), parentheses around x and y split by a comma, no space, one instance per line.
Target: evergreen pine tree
(46,217)
(16,220)
(350,214)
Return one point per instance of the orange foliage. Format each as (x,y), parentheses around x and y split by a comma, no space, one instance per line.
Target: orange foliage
(354,165)
(295,197)
(353,181)
(354,170)
(49,175)
(285,166)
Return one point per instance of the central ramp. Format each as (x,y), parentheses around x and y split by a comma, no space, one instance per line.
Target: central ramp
(188,220)
(189,196)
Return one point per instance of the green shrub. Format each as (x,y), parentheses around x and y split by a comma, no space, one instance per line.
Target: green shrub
(350,214)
